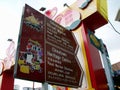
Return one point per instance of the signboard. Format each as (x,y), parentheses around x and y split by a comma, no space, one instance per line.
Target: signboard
(47,52)
(30,51)
(94,40)
(62,66)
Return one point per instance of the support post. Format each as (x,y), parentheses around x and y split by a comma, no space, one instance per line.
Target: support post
(7,80)
(45,86)
(107,68)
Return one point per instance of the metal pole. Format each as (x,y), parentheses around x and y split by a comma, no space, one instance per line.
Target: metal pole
(45,86)
(33,85)
(107,68)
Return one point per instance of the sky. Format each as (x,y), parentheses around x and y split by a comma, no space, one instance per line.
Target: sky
(10,18)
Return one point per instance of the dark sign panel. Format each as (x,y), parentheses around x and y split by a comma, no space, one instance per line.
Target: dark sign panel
(47,52)
(62,66)
(30,53)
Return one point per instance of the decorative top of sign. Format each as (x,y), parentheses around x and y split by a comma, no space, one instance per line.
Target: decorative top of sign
(8,61)
(51,13)
(71,19)
(82,3)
